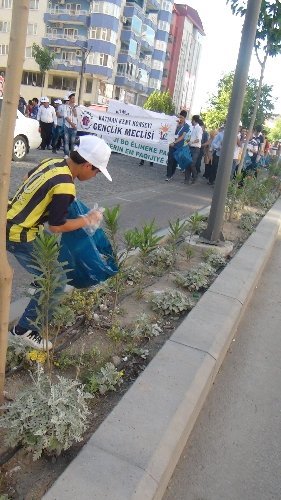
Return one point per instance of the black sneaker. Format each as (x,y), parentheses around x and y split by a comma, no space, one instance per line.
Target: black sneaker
(31,338)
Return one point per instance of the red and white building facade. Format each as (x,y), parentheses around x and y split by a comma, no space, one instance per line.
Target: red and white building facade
(183,55)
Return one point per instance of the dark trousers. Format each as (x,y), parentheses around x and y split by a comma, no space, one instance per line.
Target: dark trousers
(58,136)
(214,169)
(46,134)
(172,164)
(208,168)
(195,152)
(199,160)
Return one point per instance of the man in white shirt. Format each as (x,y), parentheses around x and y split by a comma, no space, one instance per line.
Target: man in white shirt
(70,124)
(194,146)
(47,120)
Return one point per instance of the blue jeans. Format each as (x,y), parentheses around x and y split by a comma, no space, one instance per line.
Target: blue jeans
(69,139)
(23,253)
(58,132)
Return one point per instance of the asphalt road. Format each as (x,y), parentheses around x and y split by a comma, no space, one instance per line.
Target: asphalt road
(234,451)
(141,192)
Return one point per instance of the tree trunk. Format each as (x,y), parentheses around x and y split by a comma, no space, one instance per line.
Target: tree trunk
(7,126)
(253,119)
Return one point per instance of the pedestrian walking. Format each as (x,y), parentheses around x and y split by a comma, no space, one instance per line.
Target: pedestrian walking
(70,124)
(22,105)
(216,149)
(44,197)
(47,119)
(180,133)
(58,131)
(35,108)
(195,148)
(205,138)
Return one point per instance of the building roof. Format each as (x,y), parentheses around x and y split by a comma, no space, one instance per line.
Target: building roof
(192,14)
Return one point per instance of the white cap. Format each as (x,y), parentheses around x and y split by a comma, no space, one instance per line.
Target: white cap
(66,98)
(58,101)
(71,92)
(95,151)
(44,99)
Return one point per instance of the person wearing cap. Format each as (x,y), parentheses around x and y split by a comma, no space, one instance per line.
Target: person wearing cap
(58,131)
(47,120)
(181,131)
(44,197)
(70,124)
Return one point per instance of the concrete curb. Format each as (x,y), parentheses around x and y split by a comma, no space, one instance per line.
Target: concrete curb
(133,453)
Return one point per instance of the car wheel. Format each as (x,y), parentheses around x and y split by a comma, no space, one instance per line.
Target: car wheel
(20,148)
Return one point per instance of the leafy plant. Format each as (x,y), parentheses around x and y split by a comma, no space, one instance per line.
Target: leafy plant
(214,258)
(248,222)
(132,275)
(161,102)
(50,282)
(117,334)
(176,232)
(46,417)
(144,328)
(161,257)
(171,302)
(44,57)
(16,352)
(195,223)
(84,302)
(195,279)
(189,252)
(107,379)
(233,200)
(139,351)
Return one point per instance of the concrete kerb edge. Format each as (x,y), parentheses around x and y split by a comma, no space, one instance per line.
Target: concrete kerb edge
(273,216)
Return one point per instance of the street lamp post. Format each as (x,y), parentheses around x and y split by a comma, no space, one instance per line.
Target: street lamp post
(215,222)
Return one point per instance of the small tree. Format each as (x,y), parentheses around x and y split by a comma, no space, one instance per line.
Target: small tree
(44,58)
(160,102)
(275,133)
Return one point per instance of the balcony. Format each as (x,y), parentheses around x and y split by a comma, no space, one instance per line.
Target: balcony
(140,3)
(61,40)
(64,15)
(152,6)
(65,65)
(146,48)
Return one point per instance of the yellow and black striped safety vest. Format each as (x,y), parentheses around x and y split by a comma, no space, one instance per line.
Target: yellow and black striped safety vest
(29,207)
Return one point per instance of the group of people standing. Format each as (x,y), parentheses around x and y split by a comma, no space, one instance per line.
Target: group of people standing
(207,146)
(57,122)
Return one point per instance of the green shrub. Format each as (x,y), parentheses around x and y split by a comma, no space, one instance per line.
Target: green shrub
(197,278)
(46,417)
(107,379)
(171,302)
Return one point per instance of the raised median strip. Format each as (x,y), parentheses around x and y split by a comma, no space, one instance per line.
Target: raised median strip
(133,453)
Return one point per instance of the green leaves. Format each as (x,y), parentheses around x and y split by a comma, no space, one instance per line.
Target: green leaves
(160,102)
(43,56)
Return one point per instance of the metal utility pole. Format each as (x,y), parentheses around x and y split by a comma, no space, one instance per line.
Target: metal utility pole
(85,53)
(7,126)
(215,222)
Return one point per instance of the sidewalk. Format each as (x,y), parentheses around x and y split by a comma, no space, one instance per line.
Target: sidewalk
(234,449)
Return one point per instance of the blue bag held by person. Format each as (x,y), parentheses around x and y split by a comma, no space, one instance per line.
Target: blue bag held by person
(88,256)
(183,157)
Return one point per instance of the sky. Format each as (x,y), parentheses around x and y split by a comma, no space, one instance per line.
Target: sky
(220,51)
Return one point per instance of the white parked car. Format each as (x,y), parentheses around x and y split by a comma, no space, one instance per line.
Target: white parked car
(26,136)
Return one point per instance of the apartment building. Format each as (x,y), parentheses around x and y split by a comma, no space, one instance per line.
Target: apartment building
(183,55)
(103,48)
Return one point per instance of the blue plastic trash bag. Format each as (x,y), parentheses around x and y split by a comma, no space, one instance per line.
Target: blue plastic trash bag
(183,157)
(89,257)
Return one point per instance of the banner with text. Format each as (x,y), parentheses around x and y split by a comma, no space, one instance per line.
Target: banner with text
(144,138)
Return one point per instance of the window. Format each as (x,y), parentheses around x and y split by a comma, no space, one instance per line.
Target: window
(159,65)
(166,5)
(99,59)
(5,26)
(73,8)
(66,55)
(34,4)
(61,83)
(164,26)
(106,8)
(70,33)
(154,84)
(29,78)
(103,34)
(149,35)
(51,31)
(4,49)
(6,4)
(160,45)
(32,29)
(136,25)
(121,69)
(89,86)
(28,52)
(133,47)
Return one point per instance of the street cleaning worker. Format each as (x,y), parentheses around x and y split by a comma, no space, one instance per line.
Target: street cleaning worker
(44,197)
